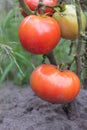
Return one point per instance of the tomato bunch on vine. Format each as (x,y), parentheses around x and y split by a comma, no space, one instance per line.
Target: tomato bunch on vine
(45,22)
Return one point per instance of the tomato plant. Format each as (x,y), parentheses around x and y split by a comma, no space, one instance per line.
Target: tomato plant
(32,4)
(54,85)
(39,34)
(68,22)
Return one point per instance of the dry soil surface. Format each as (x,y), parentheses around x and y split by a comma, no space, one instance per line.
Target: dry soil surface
(20,109)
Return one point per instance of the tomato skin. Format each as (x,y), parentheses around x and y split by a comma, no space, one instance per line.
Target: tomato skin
(68,22)
(54,86)
(32,4)
(39,35)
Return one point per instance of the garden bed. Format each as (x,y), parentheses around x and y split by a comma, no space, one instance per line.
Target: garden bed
(21,109)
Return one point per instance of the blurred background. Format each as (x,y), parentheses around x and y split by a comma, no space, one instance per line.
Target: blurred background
(15,63)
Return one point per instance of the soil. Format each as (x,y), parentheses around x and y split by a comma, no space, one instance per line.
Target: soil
(21,109)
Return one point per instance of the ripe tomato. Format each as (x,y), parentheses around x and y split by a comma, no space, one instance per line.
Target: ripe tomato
(39,35)
(54,86)
(68,22)
(32,4)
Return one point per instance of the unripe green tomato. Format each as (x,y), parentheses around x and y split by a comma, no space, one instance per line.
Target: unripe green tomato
(68,22)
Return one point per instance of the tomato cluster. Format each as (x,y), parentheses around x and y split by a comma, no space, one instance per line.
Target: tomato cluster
(40,34)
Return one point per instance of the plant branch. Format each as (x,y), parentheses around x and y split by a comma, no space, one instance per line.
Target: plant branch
(79,40)
(71,109)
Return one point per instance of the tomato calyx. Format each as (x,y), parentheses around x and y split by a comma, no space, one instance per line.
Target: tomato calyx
(61,67)
(60,6)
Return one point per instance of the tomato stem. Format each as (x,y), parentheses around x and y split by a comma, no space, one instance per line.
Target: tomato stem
(26,9)
(44,58)
(51,58)
(71,109)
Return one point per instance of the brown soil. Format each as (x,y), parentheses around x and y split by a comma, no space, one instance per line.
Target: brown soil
(20,109)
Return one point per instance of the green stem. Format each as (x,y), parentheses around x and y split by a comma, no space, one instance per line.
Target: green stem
(26,9)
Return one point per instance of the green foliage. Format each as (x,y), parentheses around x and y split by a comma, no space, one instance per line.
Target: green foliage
(62,50)
(15,62)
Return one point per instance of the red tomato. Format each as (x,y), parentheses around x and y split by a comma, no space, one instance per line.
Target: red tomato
(54,86)
(32,4)
(39,35)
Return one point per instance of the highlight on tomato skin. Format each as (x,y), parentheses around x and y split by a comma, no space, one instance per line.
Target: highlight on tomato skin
(39,34)
(54,86)
(32,4)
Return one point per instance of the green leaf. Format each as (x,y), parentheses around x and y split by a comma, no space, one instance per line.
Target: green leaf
(6,71)
(8,18)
